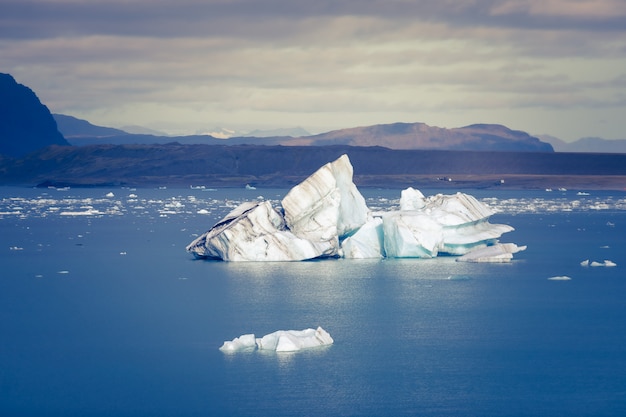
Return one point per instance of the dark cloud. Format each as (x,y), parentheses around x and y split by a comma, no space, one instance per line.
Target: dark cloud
(335,60)
(32,19)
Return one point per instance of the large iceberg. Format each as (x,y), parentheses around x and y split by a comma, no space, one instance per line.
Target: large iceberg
(326,216)
(280,341)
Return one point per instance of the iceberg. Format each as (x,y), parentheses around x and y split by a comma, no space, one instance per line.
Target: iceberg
(596,263)
(500,252)
(560,278)
(326,216)
(280,341)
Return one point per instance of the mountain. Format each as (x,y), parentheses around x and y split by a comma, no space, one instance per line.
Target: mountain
(478,137)
(587,145)
(71,127)
(26,125)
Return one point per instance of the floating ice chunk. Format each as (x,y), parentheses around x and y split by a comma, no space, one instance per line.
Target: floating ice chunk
(463,239)
(294,340)
(110,194)
(88,212)
(243,342)
(585,262)
(595,263)
(500,252)
(411,199)
(560,278)
(367,242)
(280,341)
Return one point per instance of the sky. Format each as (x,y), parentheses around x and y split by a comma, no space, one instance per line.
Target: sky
(554,67)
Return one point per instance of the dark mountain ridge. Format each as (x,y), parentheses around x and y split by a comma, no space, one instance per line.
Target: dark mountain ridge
(282,166)
(26,125)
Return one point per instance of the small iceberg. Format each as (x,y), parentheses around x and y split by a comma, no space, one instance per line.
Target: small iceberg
(607,263)
(280,341)
(560,278)
(249,187)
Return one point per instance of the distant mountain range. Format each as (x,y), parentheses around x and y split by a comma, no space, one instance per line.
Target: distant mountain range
(594,145)
(36,148)
(479,137)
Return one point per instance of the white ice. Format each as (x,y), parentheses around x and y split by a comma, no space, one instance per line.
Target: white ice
(280,341)
(254,231)
(596,263)
(326,216)
(367,242)
(327,205)
(560,278)
(498,253)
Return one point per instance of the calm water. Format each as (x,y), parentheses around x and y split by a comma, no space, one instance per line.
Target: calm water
(105,314)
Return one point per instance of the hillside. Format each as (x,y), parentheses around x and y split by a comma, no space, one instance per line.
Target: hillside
(26,125)
(281,166)
(478,137)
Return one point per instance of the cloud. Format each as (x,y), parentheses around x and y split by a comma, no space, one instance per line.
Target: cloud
(360,61)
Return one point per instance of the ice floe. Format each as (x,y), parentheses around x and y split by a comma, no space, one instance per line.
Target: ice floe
(560,278)
(280,341)
(606,262)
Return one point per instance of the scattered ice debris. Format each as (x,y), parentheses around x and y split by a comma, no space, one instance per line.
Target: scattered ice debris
(606,262)
(88,212)
(280,341)
(560,278)
(16,248)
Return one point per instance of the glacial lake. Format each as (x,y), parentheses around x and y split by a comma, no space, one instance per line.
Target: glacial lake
(103,313)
